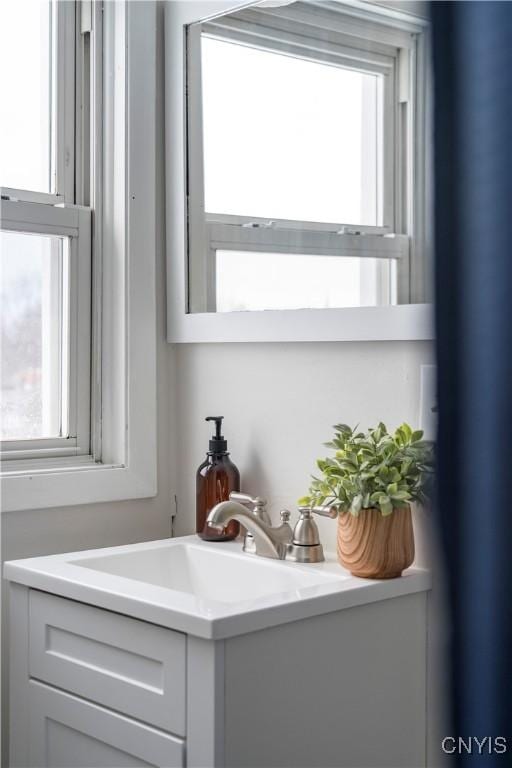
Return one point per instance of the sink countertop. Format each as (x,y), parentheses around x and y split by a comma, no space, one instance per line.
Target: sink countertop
(264,592)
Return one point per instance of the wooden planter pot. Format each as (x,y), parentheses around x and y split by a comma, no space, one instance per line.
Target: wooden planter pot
(375,547)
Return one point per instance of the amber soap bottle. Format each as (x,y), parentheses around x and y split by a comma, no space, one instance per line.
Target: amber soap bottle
(215,479)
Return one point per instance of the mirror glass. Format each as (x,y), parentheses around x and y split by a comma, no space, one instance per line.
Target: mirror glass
(305,159)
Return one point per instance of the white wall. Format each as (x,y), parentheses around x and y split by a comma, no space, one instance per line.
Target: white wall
(280,402)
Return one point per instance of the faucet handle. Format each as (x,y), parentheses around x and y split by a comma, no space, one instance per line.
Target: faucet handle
(306,546)
(305,532)
(257,505)
(285,515)
(249,501)
(326,510)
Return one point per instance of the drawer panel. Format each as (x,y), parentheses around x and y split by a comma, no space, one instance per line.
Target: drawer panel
(67,732)
(123,663)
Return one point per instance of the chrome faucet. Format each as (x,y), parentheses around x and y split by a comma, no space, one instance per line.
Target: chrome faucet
(301,545)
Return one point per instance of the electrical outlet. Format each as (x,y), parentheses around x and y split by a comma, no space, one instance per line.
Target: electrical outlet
(428,401)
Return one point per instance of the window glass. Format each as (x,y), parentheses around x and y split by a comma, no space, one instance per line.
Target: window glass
(25,94)
(255,281)
(33,327)
(288,138)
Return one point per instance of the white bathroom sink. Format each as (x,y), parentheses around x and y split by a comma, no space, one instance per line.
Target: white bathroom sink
(211,590)
(210,573)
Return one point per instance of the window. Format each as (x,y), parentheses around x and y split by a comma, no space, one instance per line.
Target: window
(26,34)
(45,230)
(34,274)
(87,336)
(263,115)
(300,172)
(253,281)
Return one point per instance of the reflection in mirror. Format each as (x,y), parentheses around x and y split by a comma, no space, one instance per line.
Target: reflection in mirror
(305,159)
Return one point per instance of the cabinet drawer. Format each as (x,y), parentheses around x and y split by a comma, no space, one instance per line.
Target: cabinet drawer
(67,732)
(126,664)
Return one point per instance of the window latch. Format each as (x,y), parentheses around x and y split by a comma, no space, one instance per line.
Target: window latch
(349,231)
(258,224)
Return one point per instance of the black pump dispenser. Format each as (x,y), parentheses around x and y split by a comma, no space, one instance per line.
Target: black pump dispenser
(218,445)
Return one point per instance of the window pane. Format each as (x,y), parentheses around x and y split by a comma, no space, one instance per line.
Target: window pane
(288,138)
(33,327)
(256,281)
(25,60)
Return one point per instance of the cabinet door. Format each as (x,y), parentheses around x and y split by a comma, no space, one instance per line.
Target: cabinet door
(68,732)
(124,664)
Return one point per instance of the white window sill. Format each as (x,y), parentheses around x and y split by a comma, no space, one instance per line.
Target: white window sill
(67,484)
(405,322)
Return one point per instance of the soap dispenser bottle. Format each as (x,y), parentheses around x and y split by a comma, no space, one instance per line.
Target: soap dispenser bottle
(215,479)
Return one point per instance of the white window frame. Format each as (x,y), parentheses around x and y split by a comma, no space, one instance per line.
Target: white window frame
(73,222)
(391,30)
(122,461)
(207,232)
(55,213)
(62,135)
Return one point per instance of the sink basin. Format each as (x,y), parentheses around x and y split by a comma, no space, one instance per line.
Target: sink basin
(210,590)
(209,573)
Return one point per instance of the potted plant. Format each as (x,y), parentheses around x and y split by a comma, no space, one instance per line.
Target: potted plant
(373,478)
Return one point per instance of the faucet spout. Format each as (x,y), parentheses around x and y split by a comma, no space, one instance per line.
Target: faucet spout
(270,542)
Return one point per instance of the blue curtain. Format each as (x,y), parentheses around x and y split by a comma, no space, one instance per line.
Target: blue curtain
(472,46)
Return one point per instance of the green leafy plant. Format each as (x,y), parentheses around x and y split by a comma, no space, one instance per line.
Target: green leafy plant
(376,469)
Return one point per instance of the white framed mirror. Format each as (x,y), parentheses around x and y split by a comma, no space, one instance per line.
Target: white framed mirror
(297,154)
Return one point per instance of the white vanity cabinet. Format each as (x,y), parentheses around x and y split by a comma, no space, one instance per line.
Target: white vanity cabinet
(93,688)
